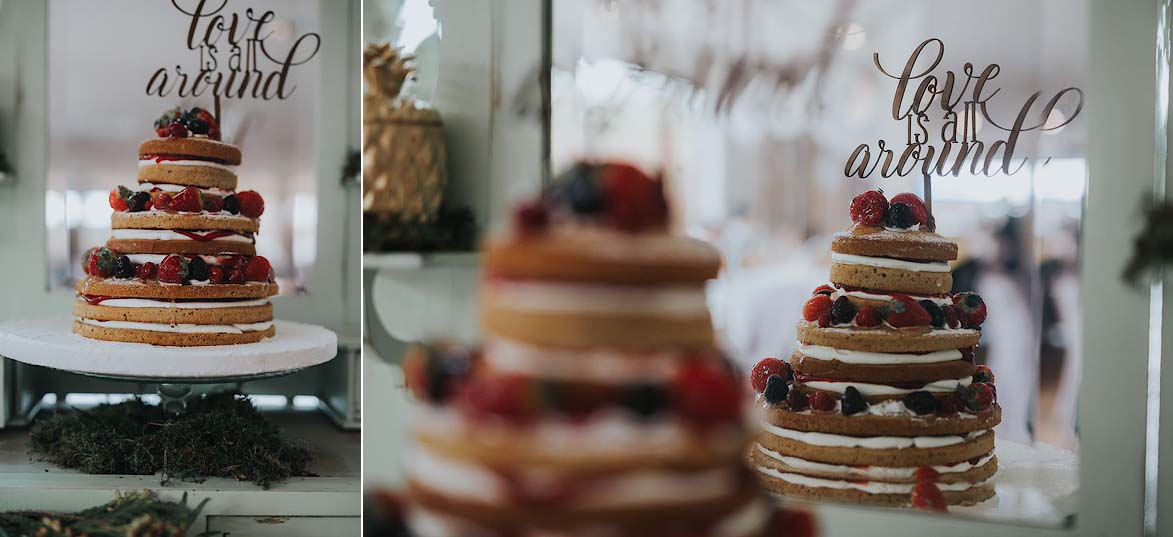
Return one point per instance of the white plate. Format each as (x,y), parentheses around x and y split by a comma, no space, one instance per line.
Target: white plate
(52,343)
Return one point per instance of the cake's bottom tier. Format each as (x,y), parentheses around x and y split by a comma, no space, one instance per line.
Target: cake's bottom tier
(156,334)
(740,513)
(518,498)
(799,486)
(879,470)
(189,323)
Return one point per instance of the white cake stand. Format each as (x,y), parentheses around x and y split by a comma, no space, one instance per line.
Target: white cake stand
(52,343)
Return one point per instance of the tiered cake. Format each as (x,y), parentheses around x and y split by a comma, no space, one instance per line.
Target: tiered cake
(599,405)
(882,403)
(180,268)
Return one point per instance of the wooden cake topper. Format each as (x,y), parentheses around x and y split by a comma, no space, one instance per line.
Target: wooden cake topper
(235,58)
(960,99)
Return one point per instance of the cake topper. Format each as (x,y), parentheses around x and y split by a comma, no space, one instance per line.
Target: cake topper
(236,59)
(961,100)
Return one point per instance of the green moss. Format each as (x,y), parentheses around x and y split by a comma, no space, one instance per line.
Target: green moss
(137,514)
(219,435)
(453,230)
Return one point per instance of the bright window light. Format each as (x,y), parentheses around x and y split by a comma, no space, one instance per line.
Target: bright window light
(305,402)
(1060,179)
(417,22)
(269,402)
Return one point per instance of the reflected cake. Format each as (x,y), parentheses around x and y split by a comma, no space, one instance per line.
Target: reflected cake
(599,405)
(180,268)
(882,403)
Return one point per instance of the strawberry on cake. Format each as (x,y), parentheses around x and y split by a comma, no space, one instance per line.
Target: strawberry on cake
(599,405)
(180,268)
(882,402)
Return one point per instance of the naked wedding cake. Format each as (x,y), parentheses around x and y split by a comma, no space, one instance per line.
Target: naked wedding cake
(180,268)
(882,402)
(599,404)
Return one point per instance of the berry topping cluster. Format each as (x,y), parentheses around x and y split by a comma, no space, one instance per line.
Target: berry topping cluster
(175,123)
(189,200)
(615,195)
(177,269)
(704,392)
(904,211)
(901,311)
(774,380)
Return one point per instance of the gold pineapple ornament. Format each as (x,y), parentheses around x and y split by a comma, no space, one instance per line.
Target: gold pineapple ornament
(405,161)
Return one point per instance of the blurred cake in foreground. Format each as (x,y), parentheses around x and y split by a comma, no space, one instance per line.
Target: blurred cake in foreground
(882,402)
(599,405)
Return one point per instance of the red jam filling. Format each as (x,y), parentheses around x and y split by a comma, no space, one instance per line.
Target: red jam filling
(905,385)
(853,289)
(209,236)
(159,159)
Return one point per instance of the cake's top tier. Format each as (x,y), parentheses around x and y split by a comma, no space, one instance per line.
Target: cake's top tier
(911,245)
(900,228)
(188,152)
(892,246)
(600,223)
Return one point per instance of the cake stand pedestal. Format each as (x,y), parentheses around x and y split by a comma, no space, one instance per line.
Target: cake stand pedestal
(52,343)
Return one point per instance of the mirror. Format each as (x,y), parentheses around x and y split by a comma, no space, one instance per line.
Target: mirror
(753,109)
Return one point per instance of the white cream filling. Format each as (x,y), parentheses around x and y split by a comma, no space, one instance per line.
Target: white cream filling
(940,386)
(427,523)
(180,188)
(901,229)
(146,303)
(220,215)
(653,487)
(870,442)
(819,352)
(868,472)
(454,478)
(606,434)
(851,331)
(168,235)
(143,163)
(241,328)
(463,480)
(862,295)
(887,408)
(528,296)
(884,262)
(140,259)
(608,366)
(871,487)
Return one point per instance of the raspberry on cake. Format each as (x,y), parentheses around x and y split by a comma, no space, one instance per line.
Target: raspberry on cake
(885,391)
(599,404)
(180,268)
